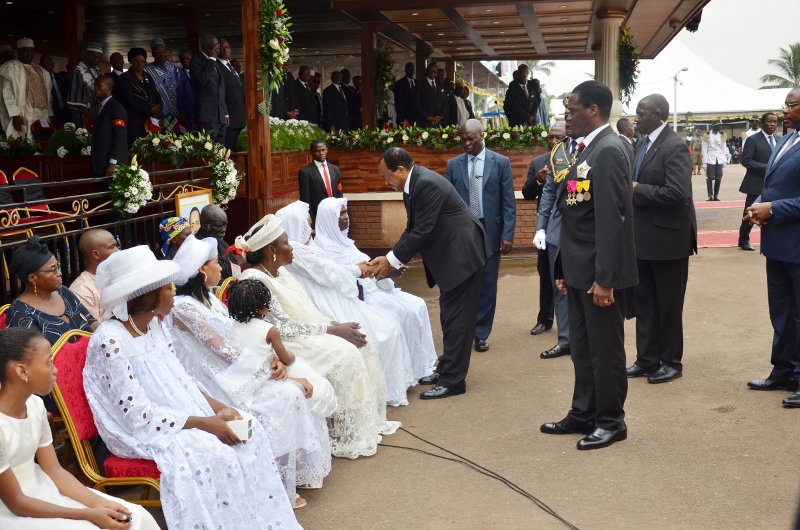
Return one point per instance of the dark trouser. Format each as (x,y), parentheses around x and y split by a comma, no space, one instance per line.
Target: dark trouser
(546,309)
(488,300)
(459,315)
(559,301)
(231,136)
(597,345)
(215,130)
(783,295)
(744,230)
(714,179)
(658,302)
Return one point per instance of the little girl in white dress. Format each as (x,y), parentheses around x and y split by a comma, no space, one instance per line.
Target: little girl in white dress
(44,496)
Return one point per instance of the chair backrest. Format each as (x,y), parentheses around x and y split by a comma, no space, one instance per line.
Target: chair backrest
(3,178)
(222,290)
(70,358)
(24,175)
(3,316)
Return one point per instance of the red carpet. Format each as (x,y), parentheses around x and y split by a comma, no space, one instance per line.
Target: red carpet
(704,205)
(725,238)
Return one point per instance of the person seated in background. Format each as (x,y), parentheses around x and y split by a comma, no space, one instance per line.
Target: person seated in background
(36,494)
(202,330)
(174,231)
(214,223)
(145,405)
(95,245)
(333,224)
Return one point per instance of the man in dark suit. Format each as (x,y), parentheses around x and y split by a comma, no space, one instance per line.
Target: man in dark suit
(208,87)
(517,105)
(755,155)
(596,269)
(306,99)
(319,180)
(334,101)
(430,101)
(539,175)
(666,235)
(283,103)
(316,81)
(777,212)
(484,181)
(58,92)
(234,95)
(454,249)
(110,132)
(404,96)
(353,94)
(467,102)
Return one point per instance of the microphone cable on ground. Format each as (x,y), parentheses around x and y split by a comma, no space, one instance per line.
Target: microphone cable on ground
(483,471)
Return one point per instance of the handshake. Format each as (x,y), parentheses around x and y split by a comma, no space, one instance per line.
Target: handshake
(380,268)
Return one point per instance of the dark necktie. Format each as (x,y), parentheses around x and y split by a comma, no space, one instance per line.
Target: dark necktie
(642,153)
(771,143)
(57,92)
(233,71)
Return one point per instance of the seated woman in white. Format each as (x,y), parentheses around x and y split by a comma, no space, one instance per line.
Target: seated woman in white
(332,226)
(145,405)
(202,331)
(248,306)
(338,352)
(44,496)
(334,290)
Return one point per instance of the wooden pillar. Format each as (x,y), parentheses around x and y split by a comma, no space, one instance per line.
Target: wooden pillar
(450,69)
(73,22)
(422,64)
(368,30)
(258,149)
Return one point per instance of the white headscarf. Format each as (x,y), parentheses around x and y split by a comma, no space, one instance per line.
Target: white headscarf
(331,239)
(261,234)
(294,218)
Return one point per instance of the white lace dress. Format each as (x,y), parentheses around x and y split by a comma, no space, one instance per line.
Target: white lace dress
(141,397)
(334,290)
(19,441)
(354,373)
(299,438)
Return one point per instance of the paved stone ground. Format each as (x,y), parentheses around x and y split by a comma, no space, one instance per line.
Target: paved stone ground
(703,451)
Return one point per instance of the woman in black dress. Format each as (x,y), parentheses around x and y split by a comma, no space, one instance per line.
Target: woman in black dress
(137,92)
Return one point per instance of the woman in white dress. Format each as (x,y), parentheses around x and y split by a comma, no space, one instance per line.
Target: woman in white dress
(202,331)
(332,225)
(145,405)
(334,290)
(44,496)
(338,352)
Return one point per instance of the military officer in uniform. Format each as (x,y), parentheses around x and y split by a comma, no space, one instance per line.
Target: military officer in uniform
(715,156)
(697,153)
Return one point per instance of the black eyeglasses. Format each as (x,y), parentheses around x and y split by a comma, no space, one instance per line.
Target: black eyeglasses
(55,269)
(790,106)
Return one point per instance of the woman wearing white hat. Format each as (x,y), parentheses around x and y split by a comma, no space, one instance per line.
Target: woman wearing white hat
(202,331)
(355,374)
(145,405)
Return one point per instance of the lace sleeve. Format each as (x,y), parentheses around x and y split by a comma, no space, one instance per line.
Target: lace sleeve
(188,318)
(310,264)
(289,328)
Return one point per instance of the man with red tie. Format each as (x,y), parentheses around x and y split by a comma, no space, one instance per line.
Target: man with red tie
(319,180)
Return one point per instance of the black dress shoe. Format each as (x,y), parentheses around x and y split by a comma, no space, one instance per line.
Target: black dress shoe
(716,198)
(710,198)
(665,374)
(638,371)
(603,438)
(565,427)
(481,345)
(439,392)
(746,246)
(793,401)
(429,379)
(773,384)
(539,328)
(555,351)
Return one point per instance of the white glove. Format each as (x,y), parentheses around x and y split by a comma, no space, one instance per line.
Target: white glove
(538,240)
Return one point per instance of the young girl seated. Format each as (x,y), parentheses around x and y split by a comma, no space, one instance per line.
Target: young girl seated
(44,496)
(248,305)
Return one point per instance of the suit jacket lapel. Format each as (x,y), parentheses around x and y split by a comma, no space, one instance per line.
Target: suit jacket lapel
(651,151)
(487,167)
(772,162)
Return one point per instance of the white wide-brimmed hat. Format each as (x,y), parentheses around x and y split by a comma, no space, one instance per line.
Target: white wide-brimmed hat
(130,273)
(193,254)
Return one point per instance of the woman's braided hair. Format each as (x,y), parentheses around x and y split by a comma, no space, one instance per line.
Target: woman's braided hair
(246,298)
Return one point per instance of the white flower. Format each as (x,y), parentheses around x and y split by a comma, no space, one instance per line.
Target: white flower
(389,140)
(86,150)
(156,141)
(178,144)
(208,146)
(62,152)
(3,145)
(274,44)
(444,137)
(405,137)
(506,136)
(544,134)
(69,126)
(425,135)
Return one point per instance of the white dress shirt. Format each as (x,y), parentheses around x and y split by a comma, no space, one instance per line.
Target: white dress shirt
(591,136)
(654,135)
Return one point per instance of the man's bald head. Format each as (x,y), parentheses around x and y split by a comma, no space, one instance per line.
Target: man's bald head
(472,137)
(557,133)
(472,125)
(96,245)
(214,221)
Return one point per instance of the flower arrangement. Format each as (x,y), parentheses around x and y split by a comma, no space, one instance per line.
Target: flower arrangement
(287,135)
(130,188)
(69,141)
(628,65)
(507,138)
(384,76)
(14,146)
(273,31)
(176,149)
(225,179)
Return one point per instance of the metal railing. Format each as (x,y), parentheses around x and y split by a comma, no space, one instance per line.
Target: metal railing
(80,204)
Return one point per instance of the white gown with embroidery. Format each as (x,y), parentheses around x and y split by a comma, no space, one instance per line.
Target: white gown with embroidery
(299,438)
(354,373)
(19,441)
(141,397)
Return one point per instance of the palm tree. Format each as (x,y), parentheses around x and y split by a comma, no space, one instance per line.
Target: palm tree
(540,66)
(788,64)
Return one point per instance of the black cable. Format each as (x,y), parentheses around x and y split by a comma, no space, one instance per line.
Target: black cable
(483,471)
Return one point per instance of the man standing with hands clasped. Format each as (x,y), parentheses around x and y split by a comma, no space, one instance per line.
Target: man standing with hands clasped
(454,250)
(777,212)
(596,268)
(755,155)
